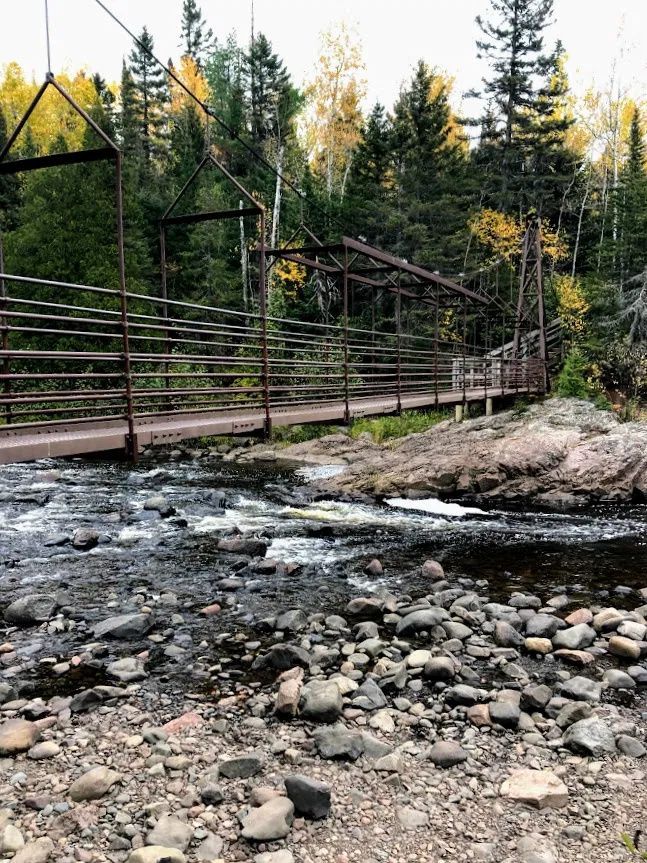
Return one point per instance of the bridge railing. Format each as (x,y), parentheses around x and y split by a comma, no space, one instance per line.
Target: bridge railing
(69,356)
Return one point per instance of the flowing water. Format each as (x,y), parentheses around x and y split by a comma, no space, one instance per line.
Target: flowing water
(589,554)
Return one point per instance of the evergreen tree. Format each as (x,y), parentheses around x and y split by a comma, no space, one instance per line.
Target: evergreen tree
(150,92)
(197,38)
(369,201)
(632,203)
(433,186)
(272,100)
(513,42)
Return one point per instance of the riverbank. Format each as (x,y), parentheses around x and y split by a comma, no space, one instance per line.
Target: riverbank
(280,638)
(559,453)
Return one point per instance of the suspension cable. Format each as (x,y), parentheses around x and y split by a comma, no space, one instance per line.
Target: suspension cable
(49,50)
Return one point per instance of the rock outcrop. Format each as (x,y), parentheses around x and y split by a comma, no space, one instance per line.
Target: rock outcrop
(560,453)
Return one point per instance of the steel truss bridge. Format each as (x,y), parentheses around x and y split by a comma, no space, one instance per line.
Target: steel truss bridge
(88,368)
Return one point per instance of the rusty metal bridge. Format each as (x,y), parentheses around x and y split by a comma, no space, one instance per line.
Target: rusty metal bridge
(89,368)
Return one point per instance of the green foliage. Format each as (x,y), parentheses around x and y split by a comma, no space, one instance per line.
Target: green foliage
(288,435)
(388,427)
(573,379)
(630,844)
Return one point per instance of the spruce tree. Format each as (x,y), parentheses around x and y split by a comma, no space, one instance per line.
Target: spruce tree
(150,93)
(197,38)
(632,203)
(513,42)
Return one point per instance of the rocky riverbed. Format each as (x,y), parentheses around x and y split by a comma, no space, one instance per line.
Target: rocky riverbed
(562,453)
(289,679)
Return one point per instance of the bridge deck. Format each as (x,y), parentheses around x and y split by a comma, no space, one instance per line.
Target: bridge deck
(82,439)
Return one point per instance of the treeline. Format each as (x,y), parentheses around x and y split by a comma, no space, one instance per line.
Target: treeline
(420,179)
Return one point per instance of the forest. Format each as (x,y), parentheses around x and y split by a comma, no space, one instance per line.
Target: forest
(449,192)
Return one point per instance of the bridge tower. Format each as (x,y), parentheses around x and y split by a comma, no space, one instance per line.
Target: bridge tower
(530,322)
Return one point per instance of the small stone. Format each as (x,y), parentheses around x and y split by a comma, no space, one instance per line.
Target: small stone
(433,570)
(627,648)
(270,821)
(283,856)
(535,848)
(321,701)
(11,839)
(504,714)
(124,626)
(38,851)
(170,832)
(85,538)
(535,697)
(580,615)
(574,637)
(310,797)
(241,767)
(374,568)
(412,819)
(156,854)
(479,715)
(93,784)
(440,668)
(538,645)
(539,788)
(581,689)
(17,735)
(128,670)
(447,753)
(630,746)
(46,749)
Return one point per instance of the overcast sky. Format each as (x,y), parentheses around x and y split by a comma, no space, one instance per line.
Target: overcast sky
(394,34)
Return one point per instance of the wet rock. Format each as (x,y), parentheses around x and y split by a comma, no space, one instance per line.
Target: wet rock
(128,670)
(591,736)
(440,668)
(270,821)
(539,788)
(17,735)
(94,784)
(31,609)
(250,547)
(291,621)
(367,607)
(419,621)
(85,538)
(433,570)
(447,753)
(310,796)
(374,568)
(170,832)
(282,657)
(126,626)
(159,503)
(627,648)
(241,767)
(574,637)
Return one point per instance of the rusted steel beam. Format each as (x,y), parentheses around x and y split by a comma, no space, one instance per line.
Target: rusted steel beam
(52,160)
(210,216)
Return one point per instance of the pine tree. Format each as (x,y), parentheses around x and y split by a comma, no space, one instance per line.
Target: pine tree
(150,93)
(272,99)
(197,38)
(514,44)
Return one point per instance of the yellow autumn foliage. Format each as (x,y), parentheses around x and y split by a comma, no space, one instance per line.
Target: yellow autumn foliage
(504,234)
(53,117)
(572,305)
(190,75)
(292,277)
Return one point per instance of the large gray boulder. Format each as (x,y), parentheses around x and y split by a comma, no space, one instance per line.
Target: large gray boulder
(31,609)
(419,621)
(126,626)
(575,637)
(321,701)
(590,736)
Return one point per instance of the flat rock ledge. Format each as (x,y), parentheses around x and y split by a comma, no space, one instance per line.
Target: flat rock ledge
(560,453)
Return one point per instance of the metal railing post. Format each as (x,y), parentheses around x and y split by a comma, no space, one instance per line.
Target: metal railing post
(6,366)
(167,332)
(398,323)
(265,375)
(464,352)
(346,385)
(131,437)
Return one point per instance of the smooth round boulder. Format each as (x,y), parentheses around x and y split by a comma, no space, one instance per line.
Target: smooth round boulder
(31,609)
(17,735)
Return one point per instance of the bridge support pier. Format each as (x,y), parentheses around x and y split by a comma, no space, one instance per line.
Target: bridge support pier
(459,413)
(489,406)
